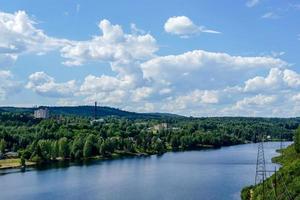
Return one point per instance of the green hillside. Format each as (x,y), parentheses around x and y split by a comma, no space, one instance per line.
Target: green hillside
(285,185)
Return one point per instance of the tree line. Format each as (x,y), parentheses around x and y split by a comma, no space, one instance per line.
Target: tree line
(75,138)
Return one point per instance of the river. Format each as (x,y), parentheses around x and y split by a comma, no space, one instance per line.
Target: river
(215,174)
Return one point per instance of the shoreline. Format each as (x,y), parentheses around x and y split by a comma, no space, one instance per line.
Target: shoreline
(116,155)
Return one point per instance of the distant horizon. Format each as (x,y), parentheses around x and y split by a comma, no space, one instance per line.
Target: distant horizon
(212,116)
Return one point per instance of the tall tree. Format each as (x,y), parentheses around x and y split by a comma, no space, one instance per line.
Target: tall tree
(63,147)
(89,145)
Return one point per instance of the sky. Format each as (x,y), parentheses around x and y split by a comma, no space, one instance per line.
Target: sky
(188,57)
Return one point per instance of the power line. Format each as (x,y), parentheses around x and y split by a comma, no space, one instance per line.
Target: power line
(286,191)
(260,174)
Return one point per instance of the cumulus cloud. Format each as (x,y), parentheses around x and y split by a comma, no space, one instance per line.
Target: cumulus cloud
(7,84)
(204,70)
(192,99)
(258,100)
(45,85)
(113,45)
(185,27)
(141,93)
(276,79)
(258,105)
(296,97)
(19,35)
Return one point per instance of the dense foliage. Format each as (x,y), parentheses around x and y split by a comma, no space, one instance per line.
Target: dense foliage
(285,184)
(74,137)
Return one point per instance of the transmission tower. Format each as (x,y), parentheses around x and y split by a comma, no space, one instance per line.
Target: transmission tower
(260,174)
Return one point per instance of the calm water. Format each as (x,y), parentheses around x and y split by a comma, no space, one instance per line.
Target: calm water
(211,174)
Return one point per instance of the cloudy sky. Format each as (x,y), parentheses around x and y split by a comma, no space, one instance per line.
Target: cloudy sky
(199,58)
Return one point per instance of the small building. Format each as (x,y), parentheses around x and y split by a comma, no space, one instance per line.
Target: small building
(161,126)
(42,113)
(97,121)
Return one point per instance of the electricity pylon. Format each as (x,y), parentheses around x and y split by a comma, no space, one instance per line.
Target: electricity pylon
(260,174)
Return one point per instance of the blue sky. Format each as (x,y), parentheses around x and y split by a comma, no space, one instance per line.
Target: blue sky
(200,58)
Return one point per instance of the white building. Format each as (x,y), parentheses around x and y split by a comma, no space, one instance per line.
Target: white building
(159,127)
(97,121)
(42,113)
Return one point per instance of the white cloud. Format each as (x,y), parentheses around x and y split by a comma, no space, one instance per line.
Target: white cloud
(258,105)
(258,100)
(19,35)
(276,79)
(113,45)
(7,84)
(45,85)
(252,3)
(296,97)
(93,84)
(192,99)
(66,102)
(204,70)
(141,93)
(292,78)
(184,27)
(114,98)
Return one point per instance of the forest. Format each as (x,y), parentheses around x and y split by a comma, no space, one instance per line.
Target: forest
(71,137)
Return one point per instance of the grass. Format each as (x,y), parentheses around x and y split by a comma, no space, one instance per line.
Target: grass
(13,163)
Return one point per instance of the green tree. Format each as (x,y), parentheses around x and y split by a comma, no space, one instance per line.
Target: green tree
(106,148)
(63,147)
(77,148)
(54,150)
(2,146)
(297,140)
(89,146)
(159,146)
(175,142)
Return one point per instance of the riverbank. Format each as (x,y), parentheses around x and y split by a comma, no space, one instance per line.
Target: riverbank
(12,163)
(15,162)
(285,184)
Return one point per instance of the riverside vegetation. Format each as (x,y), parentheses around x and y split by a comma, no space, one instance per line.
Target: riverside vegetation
(73,137)
(287,179)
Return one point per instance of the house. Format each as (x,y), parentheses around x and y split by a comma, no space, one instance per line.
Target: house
(159,127)
(97,121)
